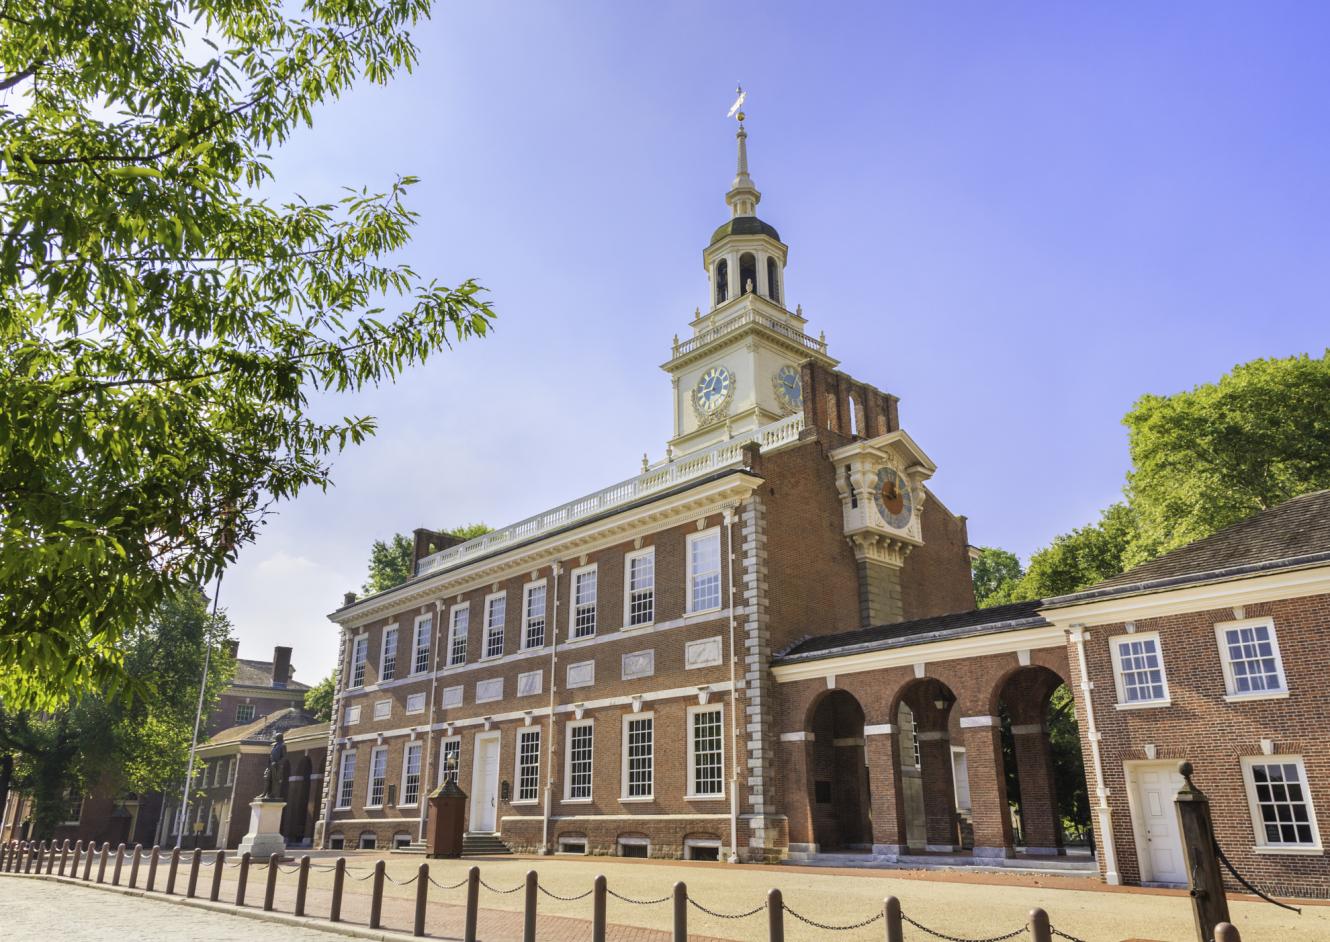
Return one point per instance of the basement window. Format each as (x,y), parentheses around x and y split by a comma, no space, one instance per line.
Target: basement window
(701,850)
(368,841)
(401,839)
(634,847)
(336,842)
(571,846)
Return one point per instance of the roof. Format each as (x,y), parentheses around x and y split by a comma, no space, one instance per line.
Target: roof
(259,674)
(744,225)
(288,721)
(918,631)
(1294,533)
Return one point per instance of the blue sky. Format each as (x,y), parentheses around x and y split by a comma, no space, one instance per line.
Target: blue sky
(1016,217)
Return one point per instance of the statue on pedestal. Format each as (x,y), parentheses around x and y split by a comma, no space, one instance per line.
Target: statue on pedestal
(272,774)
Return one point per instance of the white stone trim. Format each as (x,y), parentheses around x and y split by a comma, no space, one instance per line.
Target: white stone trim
(879,729)
(977,722)
(801,736)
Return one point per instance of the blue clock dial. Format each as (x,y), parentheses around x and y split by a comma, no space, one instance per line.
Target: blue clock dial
(789,388)
(713,389)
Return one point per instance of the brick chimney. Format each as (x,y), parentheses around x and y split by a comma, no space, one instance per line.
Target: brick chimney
(233,645)
(281,666)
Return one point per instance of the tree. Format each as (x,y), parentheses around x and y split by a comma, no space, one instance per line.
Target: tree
(163,324)
(114,743)
(1207,458)
(1080,558)
(995,573)
(390,560)
(319,700)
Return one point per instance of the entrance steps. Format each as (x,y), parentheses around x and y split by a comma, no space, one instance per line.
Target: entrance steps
(483,845)
(415,847)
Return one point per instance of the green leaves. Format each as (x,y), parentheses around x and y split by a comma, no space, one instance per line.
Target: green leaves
(162,324)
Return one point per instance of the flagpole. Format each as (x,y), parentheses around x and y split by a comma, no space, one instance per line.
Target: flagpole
(198,716)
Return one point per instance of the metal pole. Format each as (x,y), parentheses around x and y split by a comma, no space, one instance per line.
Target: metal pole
(891,910)
(302,885)
(422,898)
(1039,929)
(472,903)
(194,860)
(218,866)
(242,879)
(680,912)
(119,863)
(339,879)
(775,916)
(198,716)
(598,909)
(529,910)
(376,896)
(270,891)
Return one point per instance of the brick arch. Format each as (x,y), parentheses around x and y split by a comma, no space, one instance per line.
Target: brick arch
(1024,689)
(925,802)
(838,772)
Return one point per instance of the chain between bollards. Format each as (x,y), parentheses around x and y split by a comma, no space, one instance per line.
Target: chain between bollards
(302,885)
(219,864)
(270,891)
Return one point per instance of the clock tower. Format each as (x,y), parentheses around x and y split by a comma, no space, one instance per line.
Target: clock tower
(739,370)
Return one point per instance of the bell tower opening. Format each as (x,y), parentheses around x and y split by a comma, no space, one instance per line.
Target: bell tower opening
(747,273)
(773,280)
(722,280)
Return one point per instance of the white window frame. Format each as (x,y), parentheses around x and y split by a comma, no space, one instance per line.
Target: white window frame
(253,713)
(490,628)
(389,631)
(540,683)
(455,742)
(417,648)
(523,733)
(648,552)
(358,656)
(623,756)
(457,657)
(419,699)
(1230,681)
(346,784)
(1253,805)
(528,620)
(576,574)
(351,716)
(1114,647)
(691,792)
(568,729)
(419,747)
(382,778)
(459,692)
(386,712)
(693,538)
(491,684)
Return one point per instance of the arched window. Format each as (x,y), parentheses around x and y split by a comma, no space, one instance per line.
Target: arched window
(747,273)
(722,281)
(773,280)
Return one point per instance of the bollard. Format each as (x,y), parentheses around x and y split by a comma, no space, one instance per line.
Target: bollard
(50,858)
(422,897)
(1208,902)
(891,912)
(4,858)
(339,878)
(302,885)
(598,909)
(270,891)
(194,860)
(218,865)
(680,912)
(472,903)
(376,896)
(242,878)
(1227,932)
(134,866)
(152,868)
(78,852)
(87,862)
(171,870)
(1039,928)
(775,916)
(36,859)
(33,852)
(529,910)
(119,864)
(101,861)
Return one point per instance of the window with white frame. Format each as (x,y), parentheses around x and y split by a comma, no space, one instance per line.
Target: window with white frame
(496,609)
(706,760)
(388,663)
(533,618)
(415,703)
(411,774)
(704,571)
(581,740)
(244,712)
(450,756)
(639,756)
(639,600)
(420,659)
(1250,653)
(346,780)
(1281,805)
(528,765)
(352,715)
(584,602)
(359,651)
(461,624)
(1138,668)
(378,771)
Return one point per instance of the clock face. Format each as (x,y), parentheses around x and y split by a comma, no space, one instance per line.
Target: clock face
(713,390)
(789,388)
(894,500)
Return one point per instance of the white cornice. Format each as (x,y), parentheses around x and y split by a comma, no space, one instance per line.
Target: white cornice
(952,649)
(1270,587)
(586,538)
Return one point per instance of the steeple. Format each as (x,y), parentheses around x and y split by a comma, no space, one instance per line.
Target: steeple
(743,196)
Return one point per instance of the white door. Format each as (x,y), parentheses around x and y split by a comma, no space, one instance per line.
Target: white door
(485,784)
(1158,834)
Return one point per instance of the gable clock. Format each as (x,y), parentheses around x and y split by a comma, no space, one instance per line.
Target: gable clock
(881,486)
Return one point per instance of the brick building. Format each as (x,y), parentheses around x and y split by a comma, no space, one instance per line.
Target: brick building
(764,647)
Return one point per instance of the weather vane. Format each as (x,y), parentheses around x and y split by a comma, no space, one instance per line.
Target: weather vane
(734,111)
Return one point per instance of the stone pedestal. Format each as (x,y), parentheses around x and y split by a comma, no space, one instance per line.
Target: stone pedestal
(265,829)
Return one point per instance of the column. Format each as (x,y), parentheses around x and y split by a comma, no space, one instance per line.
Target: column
(988,786)
(1040,820)
(795,761)
(939,790)
(887,810)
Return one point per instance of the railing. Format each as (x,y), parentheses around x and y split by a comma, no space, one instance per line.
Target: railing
(652,481)
(750,316)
